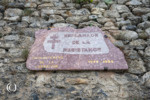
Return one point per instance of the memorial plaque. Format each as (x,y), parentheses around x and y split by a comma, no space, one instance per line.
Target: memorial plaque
(74,49)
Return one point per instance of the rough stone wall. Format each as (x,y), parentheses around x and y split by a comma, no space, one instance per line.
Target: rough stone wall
(126,22)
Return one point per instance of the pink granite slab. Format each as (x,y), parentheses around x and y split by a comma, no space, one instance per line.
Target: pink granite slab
(74,49)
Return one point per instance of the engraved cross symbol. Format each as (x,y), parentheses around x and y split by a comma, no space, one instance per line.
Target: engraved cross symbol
(53,41)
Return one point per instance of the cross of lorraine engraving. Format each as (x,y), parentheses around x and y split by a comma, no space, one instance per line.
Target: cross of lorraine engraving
(53,41)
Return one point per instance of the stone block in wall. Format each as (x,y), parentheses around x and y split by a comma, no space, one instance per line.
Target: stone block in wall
(50,0)
(122,1)
(89,23)
(97,10)
(2,53)
(81,12)
(59,4)
(76,19)
(56,19)
(29,31)
(120,8)
(141,11)
(70,5)
(16,5)
(64,25)
(48,11)
(30,5)
(13,14)
(7,45)
(66,1)
(102,5)
(45,5)
(2,23)
(111,14)
(1,15)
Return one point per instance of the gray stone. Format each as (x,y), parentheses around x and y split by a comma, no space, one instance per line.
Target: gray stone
(16,5)
(144,25)
(148,31)
(135,19)
(138,44)
(80,12)
(120,79)
(128,35)
(146,79)
(111,13)
(2,53)
(103,20)
(124,23)
(11,12)
(19,68)
(1,15)
(22,25)
(56,19)
(141,52)
(148,42)
(15,52)
(36,14)
(134,3)
(50,1)
(29,31)
(89,23)
(97,11)
(49,11)
(147,83)
(144,35)
(122,1)
(126,15)
(147,51)
(66,1)
(109,24)
(132,78)
(131,27)
(7,45)
(59,4)
(37,22)
(11,37)
(102,5)
(2,23)
(5,30)
(76,19)
(88,6)
(45,5)
(120,8)
(2,8)
(141,11)
(93,17)
(70,5)
(131,54)
(26,19)
(28,41)
(148,66)
(146,17)
(15,18)
(136,67)
(30,5)
(119,44)
(64,25)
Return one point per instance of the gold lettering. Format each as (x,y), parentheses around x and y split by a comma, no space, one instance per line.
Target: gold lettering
(41,62)
(112,61)
(97,61)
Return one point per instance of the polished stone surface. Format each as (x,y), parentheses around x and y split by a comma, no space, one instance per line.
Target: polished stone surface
(74,49)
